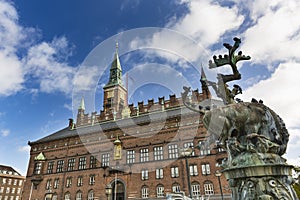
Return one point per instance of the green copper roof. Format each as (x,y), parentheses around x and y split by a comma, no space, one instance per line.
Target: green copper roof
(40,157)
(81,106)
(115,77)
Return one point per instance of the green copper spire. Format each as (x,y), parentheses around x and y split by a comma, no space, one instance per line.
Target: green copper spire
(81,106)
(115,76)
(40,157)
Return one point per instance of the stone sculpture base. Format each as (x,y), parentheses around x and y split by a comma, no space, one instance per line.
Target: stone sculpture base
(261,182)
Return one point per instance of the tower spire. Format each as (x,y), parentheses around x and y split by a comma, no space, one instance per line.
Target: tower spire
(203,80)
(115,77)
(81,106)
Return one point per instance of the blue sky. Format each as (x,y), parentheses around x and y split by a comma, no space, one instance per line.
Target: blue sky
(45,48)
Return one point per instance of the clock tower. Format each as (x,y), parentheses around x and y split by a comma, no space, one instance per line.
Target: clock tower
(115,94)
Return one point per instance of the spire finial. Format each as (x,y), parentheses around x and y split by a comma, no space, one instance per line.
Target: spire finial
(117,46)
(81,106)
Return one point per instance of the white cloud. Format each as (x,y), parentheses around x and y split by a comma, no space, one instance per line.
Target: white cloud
(275,36)
(207,21)
(46,61)
(5,132)
(25,149)
(43,63)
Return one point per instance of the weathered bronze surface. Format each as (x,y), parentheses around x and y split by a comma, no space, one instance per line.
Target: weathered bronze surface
(254,136)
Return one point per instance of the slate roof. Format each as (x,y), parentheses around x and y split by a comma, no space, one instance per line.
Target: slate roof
(8,169)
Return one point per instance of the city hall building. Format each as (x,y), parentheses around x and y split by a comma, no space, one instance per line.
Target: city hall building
(142,151)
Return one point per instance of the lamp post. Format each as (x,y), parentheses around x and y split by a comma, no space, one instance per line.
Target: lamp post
(108,191)
(185,153)
(219,174)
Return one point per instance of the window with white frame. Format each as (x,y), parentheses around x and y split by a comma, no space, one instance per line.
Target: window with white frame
(193,170)
(144,155)
(56,183)
(105,160)
(18,190)
(205,169)
(7,190)
(92,179)
(69,182)
(60,166)
(208,188)
(173,151)
(93,162)
(79,195)
(2,189)
(159,173)
(82,163)
(189,145)
(13,190)
(158,153)
(144,174)
(9,181)
(48,184)
(204,148)
(38,168)
(67,196)
(130,156)
(71,164)
(160,191)
(174,172)
(176,188)
(15,182)
(20,182)
(145,192)
(79,181)
(91,195)
(50,167)
(195,189)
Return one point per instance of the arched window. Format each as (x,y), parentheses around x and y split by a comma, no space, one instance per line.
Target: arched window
(91,195)
(79,195)
(145,192)
(208,188)
(67,196)
(175,187)
(54,197)
(48,196)
(196,189)
(160,191)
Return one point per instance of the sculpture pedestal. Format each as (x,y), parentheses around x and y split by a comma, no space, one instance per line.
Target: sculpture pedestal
(261,182)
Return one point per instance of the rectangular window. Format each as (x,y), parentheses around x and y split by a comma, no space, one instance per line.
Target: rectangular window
(174,172)
(60,166)
(204,148)
(48,184)
(158,153)
(13,190)
(92,179)
(145,192)
(18,190)
(71,164)
(208,189)
(144,155)
(173,151)
(105,160)
(205,169)
(189,145)
(15,182)
(160,191)
(50,167)
(82,163)
(20,182)
(38,168)
(193,170)
(56,183)
(1,189)
(9,181)
(69,182)
(145,174)
(79,181)
(159,173)
(93,162)
(130,156)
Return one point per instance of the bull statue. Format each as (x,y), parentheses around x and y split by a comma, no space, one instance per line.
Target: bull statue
(254,136)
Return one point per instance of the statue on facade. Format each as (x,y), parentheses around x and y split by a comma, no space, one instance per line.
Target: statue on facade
(254,136)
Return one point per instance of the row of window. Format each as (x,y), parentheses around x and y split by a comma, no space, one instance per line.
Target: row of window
(9,198)
(67,196)
(195,189)
(10,190)
(193,171)
(69,182)
(158,154)
(10,181)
